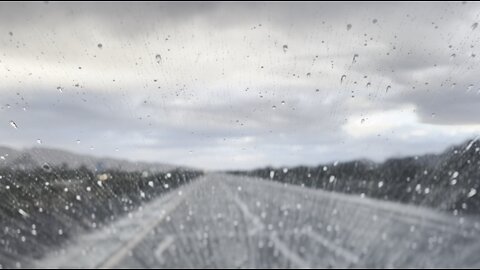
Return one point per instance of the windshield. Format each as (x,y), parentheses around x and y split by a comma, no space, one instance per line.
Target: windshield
(239,135)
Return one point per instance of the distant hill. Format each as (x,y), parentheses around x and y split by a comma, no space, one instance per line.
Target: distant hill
(447,181)
(42,208)
(36,157)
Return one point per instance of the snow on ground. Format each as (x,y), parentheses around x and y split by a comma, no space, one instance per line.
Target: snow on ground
(230,221)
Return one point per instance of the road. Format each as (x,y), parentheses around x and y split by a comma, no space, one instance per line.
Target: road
(222,221)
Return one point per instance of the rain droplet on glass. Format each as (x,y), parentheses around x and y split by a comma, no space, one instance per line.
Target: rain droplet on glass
(354,58)
(13,124)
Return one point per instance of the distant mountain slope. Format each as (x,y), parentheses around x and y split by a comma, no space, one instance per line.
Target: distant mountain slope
(35,157)
(448,181)
(47,196)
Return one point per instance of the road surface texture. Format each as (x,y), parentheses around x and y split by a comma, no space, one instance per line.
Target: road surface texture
(238,222)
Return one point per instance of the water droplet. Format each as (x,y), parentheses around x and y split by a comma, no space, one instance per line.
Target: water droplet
(274,107)
(380,184)
(285,48)
(455,174)
(349,26)
(283,102)
(368,84)
(354,58)
(374,21)
(39,141)
(100,45)
(388,88)
(13,124)
(331,179)
(474,26)
(78,141)
(343,78)
(362,121)
(23,213)
(158,57)
(46,167)
(60,89)
(470,87)
(472,193)
(452,56)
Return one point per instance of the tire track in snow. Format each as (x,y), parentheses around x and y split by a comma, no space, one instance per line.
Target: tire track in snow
(163,246)
(338,250)
(124,251)
(259,226)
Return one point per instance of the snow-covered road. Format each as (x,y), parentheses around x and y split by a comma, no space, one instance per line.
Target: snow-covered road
(230,221)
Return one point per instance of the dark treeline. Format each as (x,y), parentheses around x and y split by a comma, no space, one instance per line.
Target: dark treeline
(448,181)
(41,208)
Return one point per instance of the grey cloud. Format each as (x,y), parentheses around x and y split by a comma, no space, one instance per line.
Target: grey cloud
(213,53)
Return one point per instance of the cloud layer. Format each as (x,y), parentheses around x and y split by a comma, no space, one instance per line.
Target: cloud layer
(240,85)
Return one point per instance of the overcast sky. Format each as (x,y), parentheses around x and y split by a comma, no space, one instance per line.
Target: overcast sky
(240,85)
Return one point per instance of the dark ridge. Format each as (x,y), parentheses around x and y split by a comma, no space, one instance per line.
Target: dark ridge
(448,181)
(42,208)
